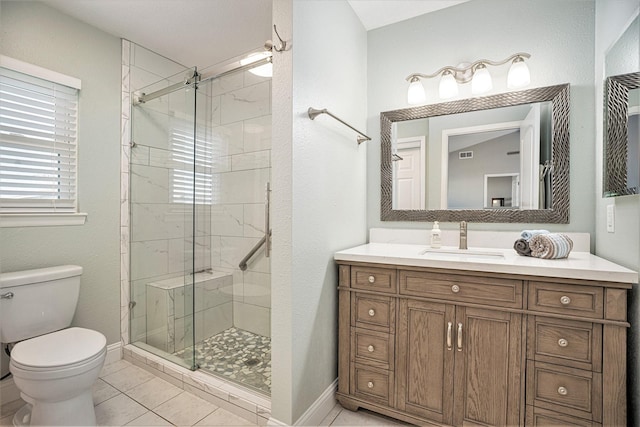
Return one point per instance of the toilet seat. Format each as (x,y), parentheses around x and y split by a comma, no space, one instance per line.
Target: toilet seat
(58,354)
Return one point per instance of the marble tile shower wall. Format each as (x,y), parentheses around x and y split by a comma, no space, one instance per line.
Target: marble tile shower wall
(242,168)
(234,126)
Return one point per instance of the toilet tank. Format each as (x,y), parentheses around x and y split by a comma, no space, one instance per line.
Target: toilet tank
(39,301)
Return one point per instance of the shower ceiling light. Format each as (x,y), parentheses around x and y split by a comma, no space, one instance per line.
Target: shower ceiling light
(477,73)
(264,70)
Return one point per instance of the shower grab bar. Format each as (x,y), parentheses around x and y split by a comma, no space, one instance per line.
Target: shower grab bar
(267,224)
(313,113)
(266,239)
(247,257)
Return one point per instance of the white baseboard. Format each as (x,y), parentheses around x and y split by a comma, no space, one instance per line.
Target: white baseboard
(114,353)
(273,422)
(320,408)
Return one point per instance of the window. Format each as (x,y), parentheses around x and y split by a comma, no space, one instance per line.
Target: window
(38,140)
(185,186)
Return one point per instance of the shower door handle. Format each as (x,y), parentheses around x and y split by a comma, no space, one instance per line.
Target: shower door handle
(267,228)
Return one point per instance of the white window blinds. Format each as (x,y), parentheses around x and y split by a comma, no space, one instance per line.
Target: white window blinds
(38,146)
(191,183)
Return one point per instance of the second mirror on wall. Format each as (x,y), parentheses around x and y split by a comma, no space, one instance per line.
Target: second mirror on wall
(622,115)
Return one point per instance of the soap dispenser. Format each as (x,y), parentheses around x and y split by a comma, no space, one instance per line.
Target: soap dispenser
(436,242)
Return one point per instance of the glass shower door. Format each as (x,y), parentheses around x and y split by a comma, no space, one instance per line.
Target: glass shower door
(199,174)
(164,220)
(235,123)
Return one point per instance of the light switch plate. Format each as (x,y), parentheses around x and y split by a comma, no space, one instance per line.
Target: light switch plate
(611,218)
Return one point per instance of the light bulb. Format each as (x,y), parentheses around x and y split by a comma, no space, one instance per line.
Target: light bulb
(518,74)
(264,70)
(448,86)
(481,82)
(415,94)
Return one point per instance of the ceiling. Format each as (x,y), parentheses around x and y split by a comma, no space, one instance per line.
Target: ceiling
(207,32)
(378,13)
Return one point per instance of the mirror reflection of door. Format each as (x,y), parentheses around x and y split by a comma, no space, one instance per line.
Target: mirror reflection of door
(530,185)
(409,173)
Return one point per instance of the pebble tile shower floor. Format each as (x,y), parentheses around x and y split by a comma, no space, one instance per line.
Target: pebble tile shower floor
(238,355)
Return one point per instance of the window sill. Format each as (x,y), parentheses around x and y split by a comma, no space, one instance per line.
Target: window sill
(42,220)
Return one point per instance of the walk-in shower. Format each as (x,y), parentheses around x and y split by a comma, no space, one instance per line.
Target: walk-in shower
(198,188)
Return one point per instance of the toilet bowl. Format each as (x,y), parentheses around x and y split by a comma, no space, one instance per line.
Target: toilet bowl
(55,373)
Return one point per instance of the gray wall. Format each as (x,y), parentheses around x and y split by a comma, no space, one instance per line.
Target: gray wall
(319,192)
(558,35)
(622,246)
(466,176)
(35,33)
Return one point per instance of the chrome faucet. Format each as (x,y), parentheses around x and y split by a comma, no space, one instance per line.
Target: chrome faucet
(463,235)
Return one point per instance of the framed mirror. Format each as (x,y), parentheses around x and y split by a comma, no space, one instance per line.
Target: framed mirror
(499,158)
(622,115)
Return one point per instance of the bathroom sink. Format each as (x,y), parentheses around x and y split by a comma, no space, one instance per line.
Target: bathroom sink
(462,254)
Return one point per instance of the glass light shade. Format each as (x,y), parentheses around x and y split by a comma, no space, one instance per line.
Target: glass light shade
(448,86)
(481,82)
(415,94)
(264,70)
(518,74)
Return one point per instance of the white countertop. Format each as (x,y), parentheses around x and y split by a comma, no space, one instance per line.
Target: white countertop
(579,265)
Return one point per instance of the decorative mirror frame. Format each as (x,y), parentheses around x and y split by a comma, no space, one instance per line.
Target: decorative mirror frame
(615,147)
(558,214)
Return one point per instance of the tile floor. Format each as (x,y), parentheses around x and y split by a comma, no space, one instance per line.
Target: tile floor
(235,354)
(126,395)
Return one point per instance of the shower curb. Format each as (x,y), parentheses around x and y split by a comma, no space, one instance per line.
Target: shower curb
(229,396)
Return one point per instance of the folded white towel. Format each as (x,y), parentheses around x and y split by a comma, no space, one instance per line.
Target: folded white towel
(551,245)
(528,234)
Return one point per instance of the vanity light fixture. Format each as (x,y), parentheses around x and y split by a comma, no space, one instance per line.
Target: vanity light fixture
(476,73)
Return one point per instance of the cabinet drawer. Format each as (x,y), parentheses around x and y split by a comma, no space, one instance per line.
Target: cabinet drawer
(373,384)
(543,417)
(565,342)
(373,312)
(569,391)
(373,348)
(459,288)
(379,279)
(584,301)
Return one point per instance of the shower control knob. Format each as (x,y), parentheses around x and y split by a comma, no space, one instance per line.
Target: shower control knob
(562,342)
(371,349)
(565,300)
(370,384)
(372,312)
(372,279)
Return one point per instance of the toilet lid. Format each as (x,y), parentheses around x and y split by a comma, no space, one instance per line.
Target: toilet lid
(65,347)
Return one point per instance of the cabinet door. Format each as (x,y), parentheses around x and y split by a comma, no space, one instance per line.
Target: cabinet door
(424,369)
(488,361)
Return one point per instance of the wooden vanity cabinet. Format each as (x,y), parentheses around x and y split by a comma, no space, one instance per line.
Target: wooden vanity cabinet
(466,348)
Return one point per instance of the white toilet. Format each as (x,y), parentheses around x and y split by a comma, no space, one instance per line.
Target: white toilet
(53,367)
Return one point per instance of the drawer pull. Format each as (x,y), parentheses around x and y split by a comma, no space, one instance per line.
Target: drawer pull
(565,300)
(372,279)
(562,391)
(455,289)
(370,384)
(372,312)
(562,342)
(371,348)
